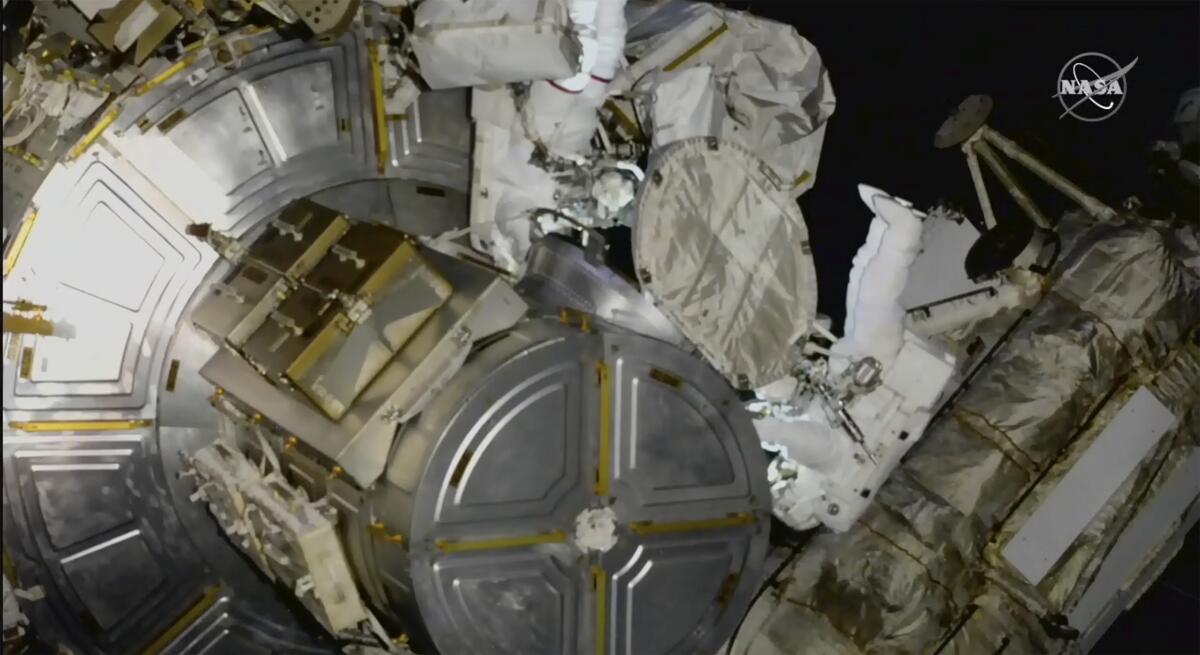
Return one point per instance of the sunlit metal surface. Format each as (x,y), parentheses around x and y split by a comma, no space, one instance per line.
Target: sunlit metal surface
(100,518)
(489,480)
(560,274)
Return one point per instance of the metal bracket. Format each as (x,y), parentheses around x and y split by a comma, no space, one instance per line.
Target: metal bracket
(968,127)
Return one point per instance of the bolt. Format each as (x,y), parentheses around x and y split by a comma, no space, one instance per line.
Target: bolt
(833,509)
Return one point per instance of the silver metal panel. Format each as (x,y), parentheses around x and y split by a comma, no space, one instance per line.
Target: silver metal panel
(309,86)
(211,630)
(338,376)
(253,617)
(113,578)
(251,611)
(407,205)
(520,440)
(559,274)
(114,265)
(426,145)
(677,450)
(109,238)
(221,138)
(1084,490)
(127,201)
(481,305)
(503,461)
(184,402)
(90,8)
(256,106)
(223,628)
(81,501)
(253,96)
(540,413)
(1152,526)
(523,601)
(22,178)
(689,574)
(229,371)
(361,440)
(91,507)
(249,49)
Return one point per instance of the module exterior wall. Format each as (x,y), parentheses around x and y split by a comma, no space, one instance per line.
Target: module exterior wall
(938,525)
(126,201)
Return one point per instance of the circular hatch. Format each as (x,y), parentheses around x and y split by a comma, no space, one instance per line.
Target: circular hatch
(587,493)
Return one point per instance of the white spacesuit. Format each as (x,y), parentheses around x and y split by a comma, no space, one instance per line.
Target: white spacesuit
(841,431)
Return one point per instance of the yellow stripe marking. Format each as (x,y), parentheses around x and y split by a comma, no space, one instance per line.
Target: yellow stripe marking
(19,243)
(728,586)
(175,118)
(210,597)
(29,157)
(600,581)
(17,324)
(691,52)
(624,119)
(566,314)
(380,530)
(804,177)
(79,426)
(650,527)
(172,375)
(381,122)
(94,133)
(27,306)
(167,74)
(604,457)
(552,537)
(26,371)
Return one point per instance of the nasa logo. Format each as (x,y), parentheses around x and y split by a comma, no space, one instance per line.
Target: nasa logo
(1092,86)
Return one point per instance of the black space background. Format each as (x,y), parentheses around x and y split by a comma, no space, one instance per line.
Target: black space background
(899,68)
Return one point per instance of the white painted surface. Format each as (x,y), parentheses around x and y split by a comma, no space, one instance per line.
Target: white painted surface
(1152,527)
(596,530)
(1087,487)
(92,7)
(939,271)
(133,26)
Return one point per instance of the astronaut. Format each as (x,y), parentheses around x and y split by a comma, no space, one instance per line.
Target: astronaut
(843,423)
